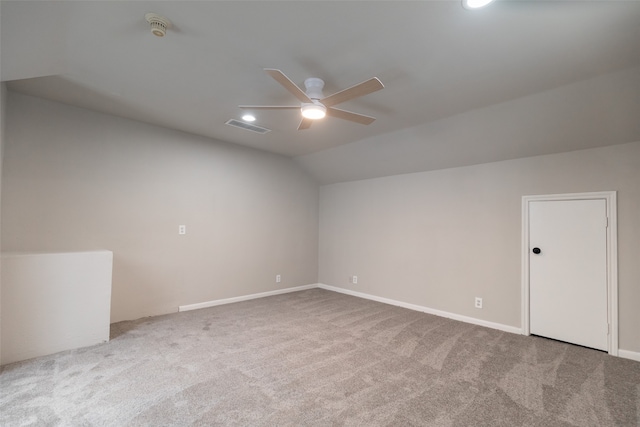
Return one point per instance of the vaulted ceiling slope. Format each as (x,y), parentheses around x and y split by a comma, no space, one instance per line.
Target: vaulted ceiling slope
(516,79)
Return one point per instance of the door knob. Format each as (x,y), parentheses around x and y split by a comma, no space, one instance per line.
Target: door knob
(536,251)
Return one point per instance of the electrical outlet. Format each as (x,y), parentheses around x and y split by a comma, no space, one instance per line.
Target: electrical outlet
(278,278)
(354,280)
(182,229)
(478,302)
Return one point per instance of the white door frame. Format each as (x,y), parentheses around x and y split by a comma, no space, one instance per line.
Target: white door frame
(612,258)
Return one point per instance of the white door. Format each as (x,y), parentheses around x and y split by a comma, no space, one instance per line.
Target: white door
(568,271)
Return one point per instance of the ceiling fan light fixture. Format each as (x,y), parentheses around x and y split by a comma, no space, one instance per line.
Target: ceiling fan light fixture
(314,105)
(313,111)
(475,4)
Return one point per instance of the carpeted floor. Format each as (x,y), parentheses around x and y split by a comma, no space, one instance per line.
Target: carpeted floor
(319,358)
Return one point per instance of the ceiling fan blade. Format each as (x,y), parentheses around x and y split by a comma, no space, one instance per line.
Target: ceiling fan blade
(269,107)
(305,123)
(356,91)
(288,84)
(348,115)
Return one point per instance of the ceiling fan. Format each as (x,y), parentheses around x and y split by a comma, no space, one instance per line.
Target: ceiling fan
(314,105)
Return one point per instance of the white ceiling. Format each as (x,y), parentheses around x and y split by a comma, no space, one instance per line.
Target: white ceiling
(443,67)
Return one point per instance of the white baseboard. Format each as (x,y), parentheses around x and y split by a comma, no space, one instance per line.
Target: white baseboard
(466,319)
(244,298)
(633,355)
(626,354)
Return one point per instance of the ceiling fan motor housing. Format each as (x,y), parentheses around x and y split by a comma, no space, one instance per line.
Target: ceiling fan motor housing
(314,88)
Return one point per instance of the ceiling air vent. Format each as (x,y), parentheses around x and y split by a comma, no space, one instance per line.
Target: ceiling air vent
(247,126)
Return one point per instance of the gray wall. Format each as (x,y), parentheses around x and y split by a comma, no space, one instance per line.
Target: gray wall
(3,109)
(439,239)
(79,180)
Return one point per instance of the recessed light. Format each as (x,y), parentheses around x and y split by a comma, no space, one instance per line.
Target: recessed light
(249,118)
(475,4)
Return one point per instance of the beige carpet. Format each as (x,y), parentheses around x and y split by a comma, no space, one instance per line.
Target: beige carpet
(319,358)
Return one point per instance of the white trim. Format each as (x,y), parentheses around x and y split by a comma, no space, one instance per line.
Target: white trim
(244,298)
(627,354)
(472,320)
(612,259)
